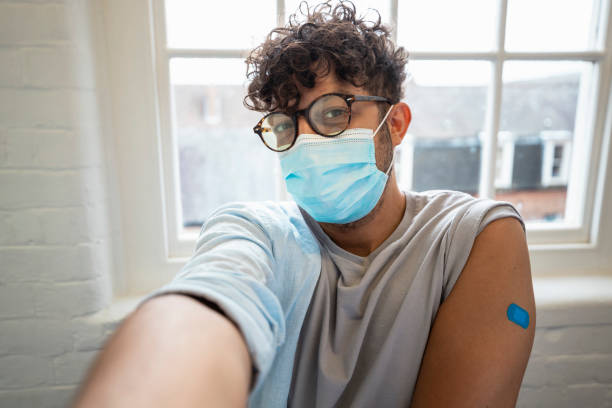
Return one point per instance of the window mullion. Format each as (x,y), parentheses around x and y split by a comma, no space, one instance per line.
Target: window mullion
(603,12)
(489,142)
(553,56)
(416,55)
(169,155)
(206,53)
(394,7)
(280,13)
(492,55)
(281,189)
(602,127)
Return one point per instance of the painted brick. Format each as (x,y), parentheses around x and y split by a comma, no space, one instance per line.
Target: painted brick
(73,221)
(16,300)
(53,199)
(70,299)
(60,66)
(52,265)
(53,226)
(535,374)
(41,148)
(571,396)
(568,369)
(4,156)
(28,189)
(47,108)
(33,23)
(36,337)
(24,371)
(88,336)
(589,395)
(71,368)
(42,226)
(19,228)
(10,67)
(47,397)
(542,397)
(571,340)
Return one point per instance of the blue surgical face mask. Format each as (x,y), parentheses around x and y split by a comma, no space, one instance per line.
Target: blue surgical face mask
(335,179)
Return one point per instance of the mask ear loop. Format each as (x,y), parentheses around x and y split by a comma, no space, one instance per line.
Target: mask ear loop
(383,121)
(376,131)
(391,164)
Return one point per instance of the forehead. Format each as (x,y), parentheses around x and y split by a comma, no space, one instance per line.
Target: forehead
(323,85)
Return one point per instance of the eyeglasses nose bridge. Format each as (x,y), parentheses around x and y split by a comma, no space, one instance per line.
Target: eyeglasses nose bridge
(302,123)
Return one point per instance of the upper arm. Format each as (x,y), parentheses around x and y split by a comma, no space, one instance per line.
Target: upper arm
(475,356)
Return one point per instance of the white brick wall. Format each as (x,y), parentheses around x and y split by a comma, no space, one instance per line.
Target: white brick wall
(570,366)
(55,262)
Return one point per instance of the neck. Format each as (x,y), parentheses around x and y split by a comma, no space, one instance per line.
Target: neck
(363,236)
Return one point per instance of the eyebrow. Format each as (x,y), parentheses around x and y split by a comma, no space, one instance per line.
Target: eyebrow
(340,91)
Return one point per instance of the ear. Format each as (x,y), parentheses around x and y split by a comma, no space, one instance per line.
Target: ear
(399,120)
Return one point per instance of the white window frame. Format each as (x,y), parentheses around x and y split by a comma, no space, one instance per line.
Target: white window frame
(552,139)
(506,146)
(404,169)
(504,178)
(139,104)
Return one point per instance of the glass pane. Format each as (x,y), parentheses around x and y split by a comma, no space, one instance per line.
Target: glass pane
(383,7)
(550,25)
(201,24)
(220,158)
(447,25)
(448,103)
(539,107)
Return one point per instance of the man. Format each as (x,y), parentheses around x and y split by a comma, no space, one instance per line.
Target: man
(355,294)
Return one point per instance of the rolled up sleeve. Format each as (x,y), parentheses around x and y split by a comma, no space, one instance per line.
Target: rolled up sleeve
(233,266)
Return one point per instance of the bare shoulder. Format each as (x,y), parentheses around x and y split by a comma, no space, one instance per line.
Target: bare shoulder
(476,355)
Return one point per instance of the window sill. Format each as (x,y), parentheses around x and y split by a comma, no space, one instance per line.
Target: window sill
(560,301)
(573,300)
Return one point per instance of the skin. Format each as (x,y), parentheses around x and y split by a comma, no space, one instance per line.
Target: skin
(475,356)
(363,236)
(170,352)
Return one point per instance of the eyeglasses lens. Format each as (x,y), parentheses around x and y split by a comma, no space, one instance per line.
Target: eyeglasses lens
(278,131)
(330,115)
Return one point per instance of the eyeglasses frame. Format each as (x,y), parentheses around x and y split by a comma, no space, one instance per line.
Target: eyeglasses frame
(348,98)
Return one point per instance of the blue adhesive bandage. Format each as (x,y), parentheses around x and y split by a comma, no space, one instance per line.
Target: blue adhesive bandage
(518,315)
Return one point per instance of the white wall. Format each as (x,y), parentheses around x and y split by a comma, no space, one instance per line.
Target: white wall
(55,254)
(60,245)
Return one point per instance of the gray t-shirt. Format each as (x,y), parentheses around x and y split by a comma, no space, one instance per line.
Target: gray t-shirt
(368,322)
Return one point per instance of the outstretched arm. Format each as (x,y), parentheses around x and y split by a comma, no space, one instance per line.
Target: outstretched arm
(173,351)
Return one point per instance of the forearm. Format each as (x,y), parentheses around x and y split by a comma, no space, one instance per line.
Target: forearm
(172,351)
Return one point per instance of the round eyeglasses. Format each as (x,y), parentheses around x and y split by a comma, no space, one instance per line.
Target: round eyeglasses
(328,115)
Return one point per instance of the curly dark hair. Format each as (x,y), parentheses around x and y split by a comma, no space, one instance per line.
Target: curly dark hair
(358,51)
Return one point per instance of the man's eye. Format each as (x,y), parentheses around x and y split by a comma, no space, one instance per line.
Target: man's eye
(282,127)
(334,113)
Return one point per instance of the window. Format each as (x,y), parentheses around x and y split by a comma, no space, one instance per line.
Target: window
(213,157)
(500,100)
(508,103)
(471,76)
